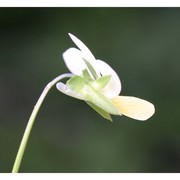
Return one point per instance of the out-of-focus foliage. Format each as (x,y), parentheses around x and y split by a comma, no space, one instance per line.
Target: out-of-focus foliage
(141,44)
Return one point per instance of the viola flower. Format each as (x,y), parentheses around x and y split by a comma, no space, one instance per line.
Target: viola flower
(96,83)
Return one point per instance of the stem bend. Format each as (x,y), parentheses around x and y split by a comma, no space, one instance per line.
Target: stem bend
(32,118)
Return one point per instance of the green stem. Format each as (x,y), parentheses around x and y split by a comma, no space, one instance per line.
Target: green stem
(29,126)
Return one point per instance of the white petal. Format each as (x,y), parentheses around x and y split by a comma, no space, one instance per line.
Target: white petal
(113,88)
(66,90)
(134,107)
(87,53)
(73,60)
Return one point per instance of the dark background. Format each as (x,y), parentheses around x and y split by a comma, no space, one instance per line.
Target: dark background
(143,47)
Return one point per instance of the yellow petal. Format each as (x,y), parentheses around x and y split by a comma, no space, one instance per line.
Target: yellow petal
(133,107)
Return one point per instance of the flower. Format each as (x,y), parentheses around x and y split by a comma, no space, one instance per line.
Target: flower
(96,83)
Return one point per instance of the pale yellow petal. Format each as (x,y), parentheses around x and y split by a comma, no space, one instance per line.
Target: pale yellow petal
(133,107)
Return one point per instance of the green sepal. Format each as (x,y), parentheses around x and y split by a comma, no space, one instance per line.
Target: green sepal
(103,113)
(81,86)
(91,69)
(76,83)
(101,82)
(86,75)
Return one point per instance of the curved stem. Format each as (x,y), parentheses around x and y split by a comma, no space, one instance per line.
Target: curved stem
(29,126)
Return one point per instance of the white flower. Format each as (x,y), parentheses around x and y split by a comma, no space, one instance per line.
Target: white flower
(98,84)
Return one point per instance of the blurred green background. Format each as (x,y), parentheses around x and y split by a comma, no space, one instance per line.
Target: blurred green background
(143,47)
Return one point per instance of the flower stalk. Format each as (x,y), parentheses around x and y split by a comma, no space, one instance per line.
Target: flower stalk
(32,118)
